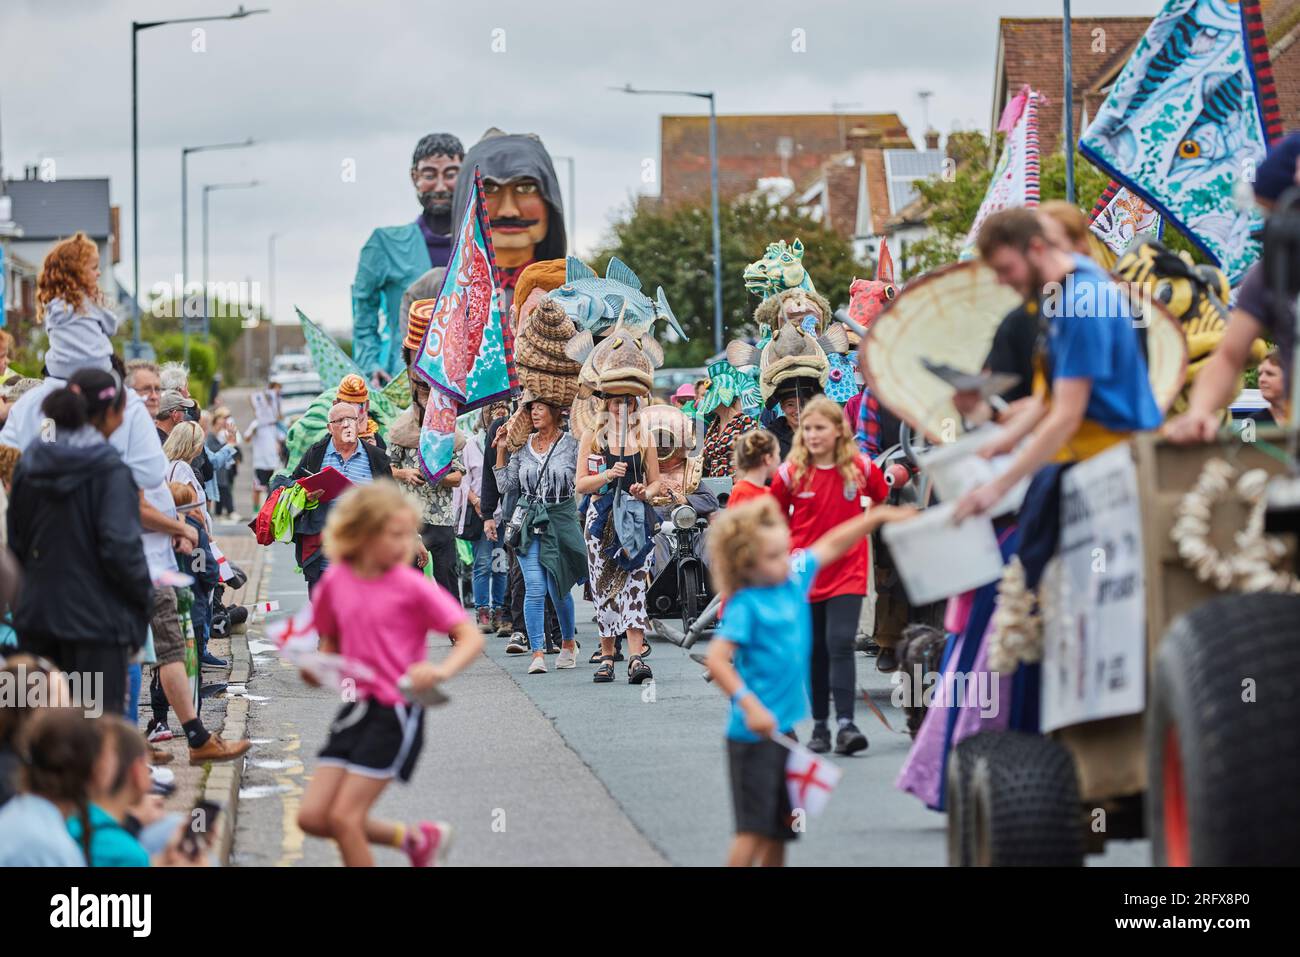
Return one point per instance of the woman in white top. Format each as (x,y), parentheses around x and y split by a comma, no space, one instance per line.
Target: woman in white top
(181,448)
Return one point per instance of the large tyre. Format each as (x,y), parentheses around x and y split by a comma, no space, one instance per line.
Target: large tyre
(961,823)
(1223,735)
(1020,807)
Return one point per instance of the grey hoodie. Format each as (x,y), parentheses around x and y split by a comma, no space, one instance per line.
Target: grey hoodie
(79,338)
(505,156)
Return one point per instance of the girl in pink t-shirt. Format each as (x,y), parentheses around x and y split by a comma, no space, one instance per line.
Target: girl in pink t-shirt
(372,607)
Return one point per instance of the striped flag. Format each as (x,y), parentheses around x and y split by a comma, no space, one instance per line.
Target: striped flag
(1015,178)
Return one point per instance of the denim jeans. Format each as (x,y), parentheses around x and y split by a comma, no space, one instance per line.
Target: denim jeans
(537,583)
(489,584)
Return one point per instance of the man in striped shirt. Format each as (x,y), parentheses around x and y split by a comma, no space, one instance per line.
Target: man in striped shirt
(344,451)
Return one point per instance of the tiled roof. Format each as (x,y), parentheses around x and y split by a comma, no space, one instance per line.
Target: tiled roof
(1282,25)
(55,210)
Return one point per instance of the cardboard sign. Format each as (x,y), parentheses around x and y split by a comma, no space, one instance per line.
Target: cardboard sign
(1094,627)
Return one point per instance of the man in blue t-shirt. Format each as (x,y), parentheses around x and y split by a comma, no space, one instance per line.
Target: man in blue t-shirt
(1093,358)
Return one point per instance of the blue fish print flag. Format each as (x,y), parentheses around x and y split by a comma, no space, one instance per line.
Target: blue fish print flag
(466,355)
(1191,114)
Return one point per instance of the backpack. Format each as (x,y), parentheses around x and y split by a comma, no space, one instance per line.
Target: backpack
(261,523)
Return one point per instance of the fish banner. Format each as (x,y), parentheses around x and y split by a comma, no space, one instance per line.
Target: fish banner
(1192,113)
(1015,178)
(466,355)
(1121,216)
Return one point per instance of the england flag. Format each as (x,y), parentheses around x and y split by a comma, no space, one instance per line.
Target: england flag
(809,778)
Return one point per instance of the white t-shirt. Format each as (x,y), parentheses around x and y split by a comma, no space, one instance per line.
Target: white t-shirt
(182,472)
(158,550)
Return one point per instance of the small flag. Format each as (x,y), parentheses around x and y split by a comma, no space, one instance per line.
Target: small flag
(297,640)
(809,779)
(264,606)
(298,630)
(224,571)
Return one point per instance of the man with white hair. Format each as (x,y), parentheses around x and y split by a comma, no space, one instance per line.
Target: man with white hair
(360,462)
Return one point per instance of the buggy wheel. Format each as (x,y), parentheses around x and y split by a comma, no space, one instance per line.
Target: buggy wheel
(1223,735)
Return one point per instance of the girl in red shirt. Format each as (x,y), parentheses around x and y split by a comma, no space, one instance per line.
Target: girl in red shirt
(821,484)
(756,456)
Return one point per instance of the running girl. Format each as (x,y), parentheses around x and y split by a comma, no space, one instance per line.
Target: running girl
(819,486)
(372,607)
(768,631)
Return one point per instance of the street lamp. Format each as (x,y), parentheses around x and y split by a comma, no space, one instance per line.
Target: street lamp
(185,230)
(573,204)
(210,188)
(713,170)
(136,27)
(270,290)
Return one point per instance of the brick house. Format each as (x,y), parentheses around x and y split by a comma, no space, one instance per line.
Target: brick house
(760,146)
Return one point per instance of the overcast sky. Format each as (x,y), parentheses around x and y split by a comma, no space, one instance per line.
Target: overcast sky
(321,83)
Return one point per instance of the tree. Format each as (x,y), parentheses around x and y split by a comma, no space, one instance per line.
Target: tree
(672,247)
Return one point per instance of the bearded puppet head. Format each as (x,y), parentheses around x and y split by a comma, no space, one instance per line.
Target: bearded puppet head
(435,169)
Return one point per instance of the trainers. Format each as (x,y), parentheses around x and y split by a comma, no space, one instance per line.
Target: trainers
(538,667)
(886,660)
(568,658)
(158,756)
(155,732)
(218,749)
(505,627)
(485,621)
(212,661)
(427,845)
(518,644)
(850,740)
(820,742)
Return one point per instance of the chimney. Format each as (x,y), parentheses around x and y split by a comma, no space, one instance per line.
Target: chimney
(861,138)
(932,139)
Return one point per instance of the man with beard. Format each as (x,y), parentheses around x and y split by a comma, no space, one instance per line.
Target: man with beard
(522,196)
(395,256)
(1097,388)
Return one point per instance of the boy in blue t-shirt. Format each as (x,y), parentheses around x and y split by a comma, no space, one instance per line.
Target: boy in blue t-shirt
(760,657)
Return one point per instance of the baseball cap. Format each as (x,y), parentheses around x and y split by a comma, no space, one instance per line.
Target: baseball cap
(172,400)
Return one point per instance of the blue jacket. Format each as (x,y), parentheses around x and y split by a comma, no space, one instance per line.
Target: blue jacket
(392,258)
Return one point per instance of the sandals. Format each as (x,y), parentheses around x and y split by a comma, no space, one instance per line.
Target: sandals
(605,673)
(638,671)
(596,657)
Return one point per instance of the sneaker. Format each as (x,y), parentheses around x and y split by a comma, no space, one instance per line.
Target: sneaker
(218,749)
(568,658)
(866,644)
(427,845)
(158,756)
(212,661)
(850,740)
(886,660)
(518,644)
(155,732)
(820,742)
(538,667)
(484,620)
(163,781)
(505,628)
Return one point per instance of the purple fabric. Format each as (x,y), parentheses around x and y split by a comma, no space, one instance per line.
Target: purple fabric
(439,246)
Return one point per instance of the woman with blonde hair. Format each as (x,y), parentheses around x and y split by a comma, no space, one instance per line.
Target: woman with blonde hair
(183,445)
(819,486)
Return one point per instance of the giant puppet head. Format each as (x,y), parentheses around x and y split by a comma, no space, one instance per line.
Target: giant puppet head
(435,169)
(522,196)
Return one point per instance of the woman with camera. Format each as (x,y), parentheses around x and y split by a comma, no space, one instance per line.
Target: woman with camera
(543,528)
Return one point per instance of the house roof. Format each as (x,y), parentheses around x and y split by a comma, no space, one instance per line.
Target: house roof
(756,145)
(57,209)
(903,168)
(1030,50)
(1282,26)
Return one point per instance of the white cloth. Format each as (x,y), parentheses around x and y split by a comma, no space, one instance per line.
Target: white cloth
(136,439)
(183,472)
(158,545)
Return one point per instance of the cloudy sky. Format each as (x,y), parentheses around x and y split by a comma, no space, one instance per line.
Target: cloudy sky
(320,84)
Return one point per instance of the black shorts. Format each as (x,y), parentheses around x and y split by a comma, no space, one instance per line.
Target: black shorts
(263,476)
(375,740)
(758,790)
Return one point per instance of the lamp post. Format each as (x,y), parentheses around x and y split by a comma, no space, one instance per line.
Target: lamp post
(185,229)
(207,189)
(573,204)
(136,27)
(270,292)
(1069,106)
(713,172)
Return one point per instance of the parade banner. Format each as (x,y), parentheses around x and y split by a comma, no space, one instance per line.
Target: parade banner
(1015,178)
(466,355)
(1120,216)
(1094,614)
(1192,113)
(328,358)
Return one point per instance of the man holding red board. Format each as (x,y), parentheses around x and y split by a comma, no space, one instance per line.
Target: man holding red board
(326,470)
